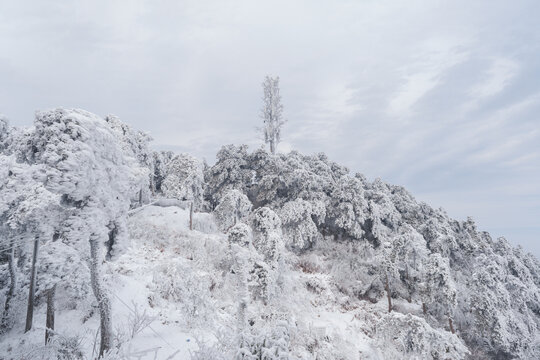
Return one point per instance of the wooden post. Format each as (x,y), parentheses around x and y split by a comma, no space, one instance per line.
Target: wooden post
(32,291)
(191,216)
(50,314)
(387,286)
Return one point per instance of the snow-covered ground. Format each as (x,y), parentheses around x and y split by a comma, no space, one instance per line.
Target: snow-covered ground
(174,297)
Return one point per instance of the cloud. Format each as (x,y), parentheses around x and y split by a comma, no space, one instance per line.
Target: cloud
(441,99)
(434,59)
(496,78)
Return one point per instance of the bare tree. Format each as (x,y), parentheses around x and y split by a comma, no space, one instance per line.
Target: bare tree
(272,112)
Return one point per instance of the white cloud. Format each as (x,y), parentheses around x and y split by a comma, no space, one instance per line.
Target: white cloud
(496,78)
(433,60)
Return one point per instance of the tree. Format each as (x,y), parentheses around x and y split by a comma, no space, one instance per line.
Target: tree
(299,229)
(231,171)
(95,180)
(233,207)
(60,266)
(135,144)
(29,212)
(184,180)
(441,293)
(272,112)
(267,239)
(239,238)
(4,132)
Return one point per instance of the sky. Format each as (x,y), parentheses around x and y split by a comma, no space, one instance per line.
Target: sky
(441,97)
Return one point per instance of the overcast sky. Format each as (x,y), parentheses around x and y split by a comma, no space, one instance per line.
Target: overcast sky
(440,97)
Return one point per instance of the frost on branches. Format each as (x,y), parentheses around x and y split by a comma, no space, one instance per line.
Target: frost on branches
(271,112)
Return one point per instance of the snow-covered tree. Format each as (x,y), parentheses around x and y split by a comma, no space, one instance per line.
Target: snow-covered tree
(160,165)
(184,180)
(267,237)
(229,172)
(87,167)
(232,208)
(135,144)
(272,112)
(4,132)
(299,229)
(348,210)
(242,259)
(440,292)
(60,268)
(29,214)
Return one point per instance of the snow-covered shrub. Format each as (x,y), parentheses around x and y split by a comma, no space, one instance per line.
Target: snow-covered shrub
(262,281)
(220,347)
(399,336)
(240,234)
(60,347)
(178,283)
(233,207)
(265,341)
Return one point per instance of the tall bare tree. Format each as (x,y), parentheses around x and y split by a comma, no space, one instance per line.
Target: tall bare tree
(272,112)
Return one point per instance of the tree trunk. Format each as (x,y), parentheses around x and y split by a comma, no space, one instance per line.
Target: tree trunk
(424,308)
(243,292)
(112,240)
(11,291)
(51,308)
(102,299)
(388,295)
(272,146)
(451,325)
(32,291)
(191,216)
(140,197)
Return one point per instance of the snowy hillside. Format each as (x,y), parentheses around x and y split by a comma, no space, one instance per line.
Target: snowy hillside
(178,285)
(289,257)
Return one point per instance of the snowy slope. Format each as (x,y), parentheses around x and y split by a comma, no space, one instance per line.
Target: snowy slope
(177,279)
